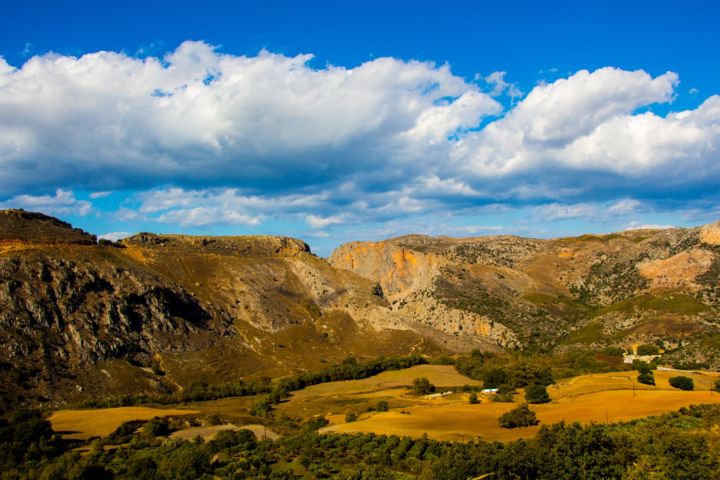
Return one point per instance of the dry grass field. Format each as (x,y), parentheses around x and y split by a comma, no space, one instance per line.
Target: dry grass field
(461,421)
(359,395)
(209,432)
(607,397)
(83,424)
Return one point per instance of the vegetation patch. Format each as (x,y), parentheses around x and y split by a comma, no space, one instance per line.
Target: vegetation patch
(521,416)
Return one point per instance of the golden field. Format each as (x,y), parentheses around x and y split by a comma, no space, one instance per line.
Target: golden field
(84,424)
(607,397)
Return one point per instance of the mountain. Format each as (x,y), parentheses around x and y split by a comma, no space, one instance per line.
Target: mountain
(155,313)
(592,291)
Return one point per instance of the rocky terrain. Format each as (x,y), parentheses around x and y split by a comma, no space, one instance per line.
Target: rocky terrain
(622,289)
(154,313)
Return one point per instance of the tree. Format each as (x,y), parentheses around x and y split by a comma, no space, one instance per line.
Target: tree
(536,394)
(642,367)
(382,406)
(682,382)
(646,378)
(473,398)
(422,386)
(157,427)
(521,416)
(350,417)
(495,377)
(647,349)
(716,387)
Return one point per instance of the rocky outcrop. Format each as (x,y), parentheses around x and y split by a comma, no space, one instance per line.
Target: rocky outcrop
(30,227)
(259,245)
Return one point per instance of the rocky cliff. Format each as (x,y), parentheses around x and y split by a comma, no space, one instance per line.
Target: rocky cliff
(155,313)
(656,286)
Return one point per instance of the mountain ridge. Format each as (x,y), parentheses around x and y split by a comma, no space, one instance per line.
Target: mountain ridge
(153,313)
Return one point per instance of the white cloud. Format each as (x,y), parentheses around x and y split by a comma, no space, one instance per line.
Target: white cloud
(317,222)
(384,139)
(95,195)
(635,225)
(589,210)
(204,216)
(501,86)
(107,120)
(114,236)
(63,202)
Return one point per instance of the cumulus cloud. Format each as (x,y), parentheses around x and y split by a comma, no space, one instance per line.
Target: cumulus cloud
(635,225)
(114,236)
(210,137)
(108,120)
(317,222)
(589,210)
(63,202)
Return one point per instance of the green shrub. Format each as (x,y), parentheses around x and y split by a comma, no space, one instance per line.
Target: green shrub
(521,416)
(157,427)
(422,386)
(382,406)
(646,378)
(647,349)
(473,398)
(716,387)
(682,382)
(536,394)
(351,417)
(503,398)
(495,377)
(642,367)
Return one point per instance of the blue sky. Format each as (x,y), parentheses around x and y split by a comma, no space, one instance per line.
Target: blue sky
(334,122)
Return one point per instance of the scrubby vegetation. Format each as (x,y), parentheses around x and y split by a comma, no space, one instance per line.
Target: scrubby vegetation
(521,416)
(670,446)
(682,382)
(536,394)
(349,369)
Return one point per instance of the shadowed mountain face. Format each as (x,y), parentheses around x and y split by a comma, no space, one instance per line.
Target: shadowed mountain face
(154,313)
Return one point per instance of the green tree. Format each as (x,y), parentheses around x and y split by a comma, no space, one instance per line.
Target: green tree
(382,406)
(647,349)
(351,417)
(521,416)
(682,382)
(495,377)
(536,394)
(646,378)
(473,398)
(422,386)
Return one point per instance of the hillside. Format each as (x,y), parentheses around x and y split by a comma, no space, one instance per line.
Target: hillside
(157,313)
(621,289)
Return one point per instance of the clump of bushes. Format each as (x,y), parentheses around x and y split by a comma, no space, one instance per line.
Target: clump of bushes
(716,387)
(646,378)
(521,416)
(473,399)
(536,394)
(422,386)
(647,349)
(157,427)
(682,382)
(504,394)
(351,417)
(382,406)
